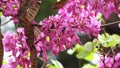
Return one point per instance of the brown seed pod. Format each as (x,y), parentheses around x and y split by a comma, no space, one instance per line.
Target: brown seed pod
(59,4)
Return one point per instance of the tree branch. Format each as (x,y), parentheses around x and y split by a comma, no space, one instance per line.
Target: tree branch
(26,15)
(1,48)
(102,26)
(108,24)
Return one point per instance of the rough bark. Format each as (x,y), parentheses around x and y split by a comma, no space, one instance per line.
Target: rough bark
(26,14)
(1,48)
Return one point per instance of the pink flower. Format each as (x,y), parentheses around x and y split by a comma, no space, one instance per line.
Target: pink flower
(119,25)
(119,15)
(9,41)
(109,62)
(10,7)
(16,43)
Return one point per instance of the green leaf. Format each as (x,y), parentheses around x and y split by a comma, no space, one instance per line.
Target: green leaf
(40,58)
(77,48)
(116,38)
(58,0)
(89,57)
(57,64)
(95,49)
(94,42)
(102,40)
(82,54)
(99,16)
(70,51)
(88,46)
(90,66)
(18,66)
(0,14)
(50,66)
(109,40)
(5,62)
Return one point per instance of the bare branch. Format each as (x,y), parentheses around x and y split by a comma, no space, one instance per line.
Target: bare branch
(108,24)
(1,48)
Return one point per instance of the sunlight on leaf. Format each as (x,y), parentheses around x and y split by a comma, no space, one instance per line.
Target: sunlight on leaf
(109,41)
(90,66)
(18,66)
(5,62)
(0,13)
(88,46)
(70,51)
(57,64)
(82,54)
(89,57)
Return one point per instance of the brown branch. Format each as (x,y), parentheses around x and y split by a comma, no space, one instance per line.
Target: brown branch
(44,65)
(102,26)
(5,23)
(108,24)
(79,63)
(113,56)
(1,48)
(38,25)
(26,15)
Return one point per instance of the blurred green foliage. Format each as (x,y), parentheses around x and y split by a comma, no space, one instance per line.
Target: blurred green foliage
(55,64)
(0,14)
(45,10)
(88,50)
(90,66)
(107,40)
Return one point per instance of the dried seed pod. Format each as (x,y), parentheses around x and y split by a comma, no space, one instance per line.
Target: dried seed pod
(59,4)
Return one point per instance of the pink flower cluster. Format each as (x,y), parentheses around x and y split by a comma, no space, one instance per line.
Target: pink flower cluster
(111,62)
(57,32)
(106,7)
(10,7)
(80,16)
(55,36)
(20,51)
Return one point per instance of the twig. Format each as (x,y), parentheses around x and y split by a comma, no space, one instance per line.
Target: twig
(44,65)
(104,32)
(108,24)
(113,57)
(102,26)
(38,25)
(102,60)
(80,63)
(5,23)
